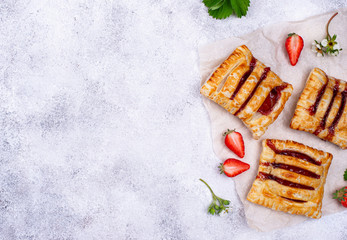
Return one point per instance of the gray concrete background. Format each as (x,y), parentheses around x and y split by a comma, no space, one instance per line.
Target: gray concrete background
(103,131)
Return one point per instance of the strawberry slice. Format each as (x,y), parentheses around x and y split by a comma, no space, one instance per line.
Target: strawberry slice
(233,167)
(294,46)
(344,203)
(234,141)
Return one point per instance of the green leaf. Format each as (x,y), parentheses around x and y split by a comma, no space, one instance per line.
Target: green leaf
(240,7)
(334,37)
(218,5)
(226,202)
(223,12)
(340,194)
(345,174)
(221,9)
(214,207)
(211,3)
(212,211)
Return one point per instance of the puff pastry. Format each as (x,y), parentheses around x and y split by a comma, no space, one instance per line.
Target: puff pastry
(290,178)
(248,89)
(321,109)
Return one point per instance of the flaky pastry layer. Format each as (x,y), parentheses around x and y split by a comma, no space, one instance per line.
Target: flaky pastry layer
(321,109)
(242,85)
(291,178)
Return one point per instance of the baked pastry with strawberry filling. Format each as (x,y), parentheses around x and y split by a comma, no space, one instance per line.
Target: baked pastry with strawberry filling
(248,89)
(321,109)
(291,178)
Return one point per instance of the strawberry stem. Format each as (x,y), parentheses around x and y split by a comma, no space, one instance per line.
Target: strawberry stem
(327,28)
(229,131)
(221,168)
(339,194)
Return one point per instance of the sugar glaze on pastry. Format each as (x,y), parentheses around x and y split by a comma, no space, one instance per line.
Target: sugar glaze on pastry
(290,178)
(321,109)
(245,87)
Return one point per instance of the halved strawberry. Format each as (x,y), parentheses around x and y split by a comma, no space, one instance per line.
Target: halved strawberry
(232,167)
(234,141)
(341,196)
(294,46)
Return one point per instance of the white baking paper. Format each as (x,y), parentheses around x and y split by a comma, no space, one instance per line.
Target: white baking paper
(267,45)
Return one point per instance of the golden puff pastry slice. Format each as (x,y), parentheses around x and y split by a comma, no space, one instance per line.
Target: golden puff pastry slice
(321,109)
(290,178)
(248,89)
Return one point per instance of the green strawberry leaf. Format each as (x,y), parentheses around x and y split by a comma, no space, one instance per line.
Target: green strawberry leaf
(240,7)
(345,175)
(218,5)
(223,12)
(221,9)
(211,3)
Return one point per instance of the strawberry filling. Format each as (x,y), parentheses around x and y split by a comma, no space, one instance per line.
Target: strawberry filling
(244,77)
(338,115)
(267,176)
(323,121)
(262,77)
(295,169)
(271,99)
(292,153)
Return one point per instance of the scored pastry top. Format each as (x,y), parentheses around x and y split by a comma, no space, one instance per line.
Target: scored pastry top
(245,87)
(290,178)
(321,109)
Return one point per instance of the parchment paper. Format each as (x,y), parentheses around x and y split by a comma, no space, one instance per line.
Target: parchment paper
(267,45)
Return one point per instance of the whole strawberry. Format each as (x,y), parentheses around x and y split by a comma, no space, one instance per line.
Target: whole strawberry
(234,141)
(341,196)
(294,46)
(233,167)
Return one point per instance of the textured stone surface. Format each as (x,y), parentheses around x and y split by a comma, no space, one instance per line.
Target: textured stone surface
(103,131)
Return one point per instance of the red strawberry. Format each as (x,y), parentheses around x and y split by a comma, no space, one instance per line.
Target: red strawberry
(341,196)
(234,141)
(232,167)
(294,45)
